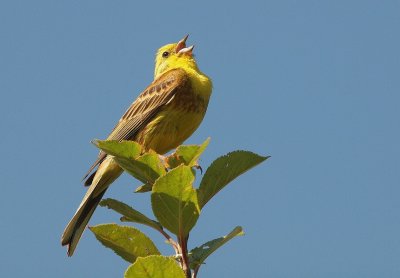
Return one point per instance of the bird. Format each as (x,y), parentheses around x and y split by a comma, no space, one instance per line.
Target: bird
(162,117)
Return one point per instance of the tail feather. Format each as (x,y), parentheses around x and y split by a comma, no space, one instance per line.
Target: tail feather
(77,225)
(102,156)
(107,173)
(89,180)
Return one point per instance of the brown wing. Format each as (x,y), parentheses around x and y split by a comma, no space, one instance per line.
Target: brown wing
(144,108)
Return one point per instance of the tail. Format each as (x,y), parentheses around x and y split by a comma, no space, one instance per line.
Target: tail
(107,173)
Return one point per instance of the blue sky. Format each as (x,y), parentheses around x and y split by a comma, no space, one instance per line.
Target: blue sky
(314,84)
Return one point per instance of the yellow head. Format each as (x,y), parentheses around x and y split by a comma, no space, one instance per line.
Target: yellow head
(174,55)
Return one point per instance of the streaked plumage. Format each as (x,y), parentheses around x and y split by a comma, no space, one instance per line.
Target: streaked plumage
(164,115)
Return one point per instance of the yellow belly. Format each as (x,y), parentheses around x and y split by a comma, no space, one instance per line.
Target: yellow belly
(170,129)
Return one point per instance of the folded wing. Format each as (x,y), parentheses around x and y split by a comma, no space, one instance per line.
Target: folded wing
(145,108)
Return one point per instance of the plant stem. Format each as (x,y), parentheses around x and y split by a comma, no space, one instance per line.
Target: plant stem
(185,259)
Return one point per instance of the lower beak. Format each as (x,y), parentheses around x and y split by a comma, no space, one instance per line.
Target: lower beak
(186,50)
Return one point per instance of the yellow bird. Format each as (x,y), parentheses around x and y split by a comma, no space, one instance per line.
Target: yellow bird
(164,115)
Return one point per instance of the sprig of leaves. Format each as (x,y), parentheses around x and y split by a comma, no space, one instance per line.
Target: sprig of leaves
(176,204)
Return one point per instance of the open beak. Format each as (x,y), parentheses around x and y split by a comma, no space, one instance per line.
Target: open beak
(181,47)
(181,44)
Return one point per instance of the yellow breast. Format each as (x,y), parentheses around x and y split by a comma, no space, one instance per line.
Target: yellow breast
(179,119)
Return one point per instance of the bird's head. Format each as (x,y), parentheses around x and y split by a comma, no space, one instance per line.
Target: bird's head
(174,55)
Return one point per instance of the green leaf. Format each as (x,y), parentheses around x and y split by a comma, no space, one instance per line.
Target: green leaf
(187,154)
(174,201)
(130,214)
(123,149)
(225,169)
(154,267)
(146,168)
(127,242)
(199,254)
(143,188)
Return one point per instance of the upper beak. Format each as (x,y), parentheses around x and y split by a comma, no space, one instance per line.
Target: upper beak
(181,44)
(181,47)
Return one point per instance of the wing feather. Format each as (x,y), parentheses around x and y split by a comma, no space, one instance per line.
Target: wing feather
(159,93)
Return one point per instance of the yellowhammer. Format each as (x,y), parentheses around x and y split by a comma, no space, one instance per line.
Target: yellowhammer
(164,115)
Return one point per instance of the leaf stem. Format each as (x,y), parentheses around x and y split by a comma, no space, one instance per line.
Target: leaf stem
(195,271)
(174,244)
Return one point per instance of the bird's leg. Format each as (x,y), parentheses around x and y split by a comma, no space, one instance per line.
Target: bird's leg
(164,161)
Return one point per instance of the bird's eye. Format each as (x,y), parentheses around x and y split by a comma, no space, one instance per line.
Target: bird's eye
(165,54)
